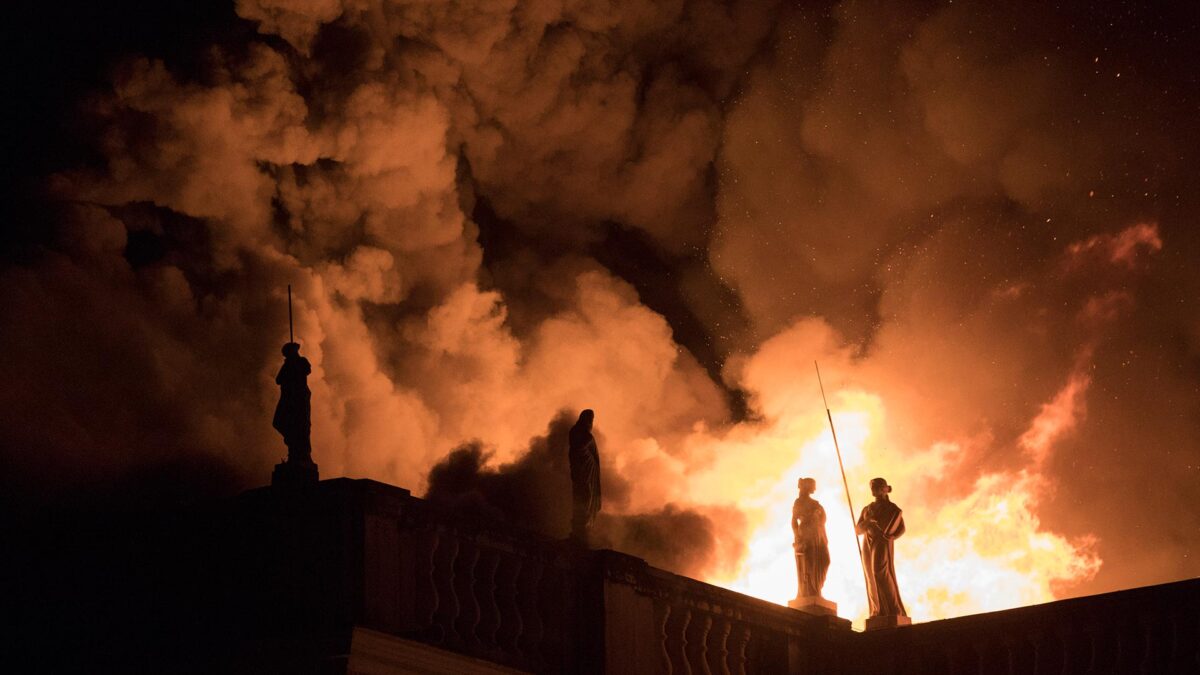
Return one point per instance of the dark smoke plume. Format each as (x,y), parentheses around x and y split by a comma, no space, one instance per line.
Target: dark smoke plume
(534,491)
(979,216)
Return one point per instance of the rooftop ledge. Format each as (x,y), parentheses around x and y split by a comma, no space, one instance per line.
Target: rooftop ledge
(356,576)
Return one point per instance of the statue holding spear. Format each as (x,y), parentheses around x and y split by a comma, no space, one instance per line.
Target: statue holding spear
(881,522)
(292,417)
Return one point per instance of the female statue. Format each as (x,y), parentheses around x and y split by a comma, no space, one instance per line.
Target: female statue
(809,541)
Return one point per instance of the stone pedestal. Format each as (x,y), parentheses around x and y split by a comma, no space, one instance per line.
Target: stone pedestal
(294,474)
(881,622)
(814,604)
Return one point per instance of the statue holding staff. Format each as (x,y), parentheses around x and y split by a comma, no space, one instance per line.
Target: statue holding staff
(810,543)
(293,414)
(881,523)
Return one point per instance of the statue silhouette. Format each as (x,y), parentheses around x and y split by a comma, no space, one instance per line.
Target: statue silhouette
(585,475)
(881,523)
(809,541)
(292,414)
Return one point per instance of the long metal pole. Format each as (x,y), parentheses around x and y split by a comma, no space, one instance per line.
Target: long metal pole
(845,484)
(291,336)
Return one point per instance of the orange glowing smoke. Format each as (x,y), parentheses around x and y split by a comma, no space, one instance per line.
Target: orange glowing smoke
(980,552)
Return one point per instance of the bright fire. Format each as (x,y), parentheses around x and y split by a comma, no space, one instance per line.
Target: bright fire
(980,552)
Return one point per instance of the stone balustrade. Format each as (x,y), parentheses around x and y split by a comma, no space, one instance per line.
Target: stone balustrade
(510,597)
(354,576)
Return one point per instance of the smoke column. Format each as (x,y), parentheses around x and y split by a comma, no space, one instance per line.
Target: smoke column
(978,218)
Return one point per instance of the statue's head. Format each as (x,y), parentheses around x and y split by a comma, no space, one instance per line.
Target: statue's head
(879,487)
(291,349)
(807,486)
(586,418)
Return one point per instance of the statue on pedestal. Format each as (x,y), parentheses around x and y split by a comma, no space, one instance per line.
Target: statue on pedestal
(881,523)
(584,458)
(811,546)
(293,414)
(809,541)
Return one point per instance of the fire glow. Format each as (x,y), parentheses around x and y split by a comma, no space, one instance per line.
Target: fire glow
(678,218)
(983,551)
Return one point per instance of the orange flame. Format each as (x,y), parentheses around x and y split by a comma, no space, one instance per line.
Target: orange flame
(984,551)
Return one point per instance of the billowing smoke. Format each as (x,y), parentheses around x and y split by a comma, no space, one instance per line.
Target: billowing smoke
(978,218)
(534,492)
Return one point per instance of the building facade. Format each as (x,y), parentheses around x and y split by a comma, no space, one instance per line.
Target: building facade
(355,576)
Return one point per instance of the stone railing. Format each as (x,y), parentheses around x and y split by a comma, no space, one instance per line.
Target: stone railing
(671,624)
(524,601)
(510,597)
(487,592)
(354,576)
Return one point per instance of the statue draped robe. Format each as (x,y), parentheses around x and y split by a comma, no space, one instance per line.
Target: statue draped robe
(812,547)
(293,414)
(585,480)
(879,559)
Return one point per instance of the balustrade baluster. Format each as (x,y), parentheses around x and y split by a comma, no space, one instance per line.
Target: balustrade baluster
(426,585)
(448,607)
(508,636)
(464,589)
(664,610)
(737,655)
(486,592)
(718,657)
(685,666)
(704,628)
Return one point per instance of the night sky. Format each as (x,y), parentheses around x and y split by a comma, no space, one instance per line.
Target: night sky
(981,218)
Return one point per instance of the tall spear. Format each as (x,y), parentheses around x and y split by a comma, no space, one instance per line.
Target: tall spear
(291,337)
(845,484)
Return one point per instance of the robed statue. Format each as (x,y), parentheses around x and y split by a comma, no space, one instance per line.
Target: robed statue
(810,542)
(292,415)
(585,475)
(880,524)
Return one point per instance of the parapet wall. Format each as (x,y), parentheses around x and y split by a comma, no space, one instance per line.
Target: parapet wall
(1148,630)
(541,605)
(328,577)
(514,598)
